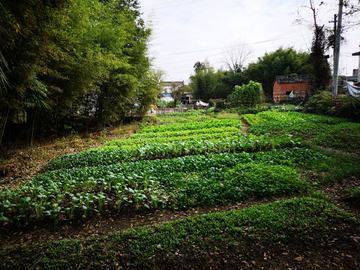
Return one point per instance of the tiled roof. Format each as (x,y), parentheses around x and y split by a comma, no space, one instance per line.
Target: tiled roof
(302,78)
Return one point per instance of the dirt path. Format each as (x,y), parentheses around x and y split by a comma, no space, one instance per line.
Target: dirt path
(244,126)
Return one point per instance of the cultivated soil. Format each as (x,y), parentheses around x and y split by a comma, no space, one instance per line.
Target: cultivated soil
(21,163)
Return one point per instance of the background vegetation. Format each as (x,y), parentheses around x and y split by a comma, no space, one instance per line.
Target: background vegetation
(207,83)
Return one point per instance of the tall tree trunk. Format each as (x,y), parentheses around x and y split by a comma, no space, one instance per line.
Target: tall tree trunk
(32,128)
(3,125)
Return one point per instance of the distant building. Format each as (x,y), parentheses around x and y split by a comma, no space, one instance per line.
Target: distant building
(166,92)
(186,98)
(290,86)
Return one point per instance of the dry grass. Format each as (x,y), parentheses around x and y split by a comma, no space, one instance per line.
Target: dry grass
(20,163)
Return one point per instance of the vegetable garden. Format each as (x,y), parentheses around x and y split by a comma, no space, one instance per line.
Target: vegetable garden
(186,162)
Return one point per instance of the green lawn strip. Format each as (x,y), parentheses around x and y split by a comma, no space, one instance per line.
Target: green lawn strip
(180,183)
(112,155)
(288,224)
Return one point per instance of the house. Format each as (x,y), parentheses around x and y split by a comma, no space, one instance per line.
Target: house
(167,89)
(290,86)
(186,98)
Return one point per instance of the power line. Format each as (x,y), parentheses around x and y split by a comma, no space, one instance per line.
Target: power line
(217,54)
(246,44)
(187,69)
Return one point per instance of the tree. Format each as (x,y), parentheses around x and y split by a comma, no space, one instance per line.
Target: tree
(110,60)
(352,9)
(199,66)
(89,56)
(203,83)
(227,82)
(249,95)
(235,56)
(324,37)
(29,41)
(176,92)
(281,62)
(3,63)
(149,90)
(320,69)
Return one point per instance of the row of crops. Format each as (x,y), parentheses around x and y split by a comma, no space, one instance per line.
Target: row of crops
(173,165)
(288,223)
(324,131)
(175,140)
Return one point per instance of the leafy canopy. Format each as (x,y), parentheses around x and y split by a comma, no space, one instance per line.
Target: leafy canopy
(249,95)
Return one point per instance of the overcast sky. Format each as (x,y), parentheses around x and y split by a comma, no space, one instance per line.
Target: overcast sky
(187,31)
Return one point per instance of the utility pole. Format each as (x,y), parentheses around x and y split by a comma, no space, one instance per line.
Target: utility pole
(358,71)
(337,50)
(334,21)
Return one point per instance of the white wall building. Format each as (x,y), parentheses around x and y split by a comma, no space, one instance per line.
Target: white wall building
(166,92)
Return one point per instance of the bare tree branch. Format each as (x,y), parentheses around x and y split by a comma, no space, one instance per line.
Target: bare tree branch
(236,55)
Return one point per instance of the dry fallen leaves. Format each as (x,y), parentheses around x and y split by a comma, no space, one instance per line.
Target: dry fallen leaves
(299,259)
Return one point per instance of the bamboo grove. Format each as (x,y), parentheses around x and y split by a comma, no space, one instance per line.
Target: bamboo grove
(70,64)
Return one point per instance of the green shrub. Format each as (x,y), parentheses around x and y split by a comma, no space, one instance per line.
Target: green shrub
(348,107)
(321,103)
(342,106)
(247,95)
(170,104)
(355,192)
(220,106)
(211,109)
